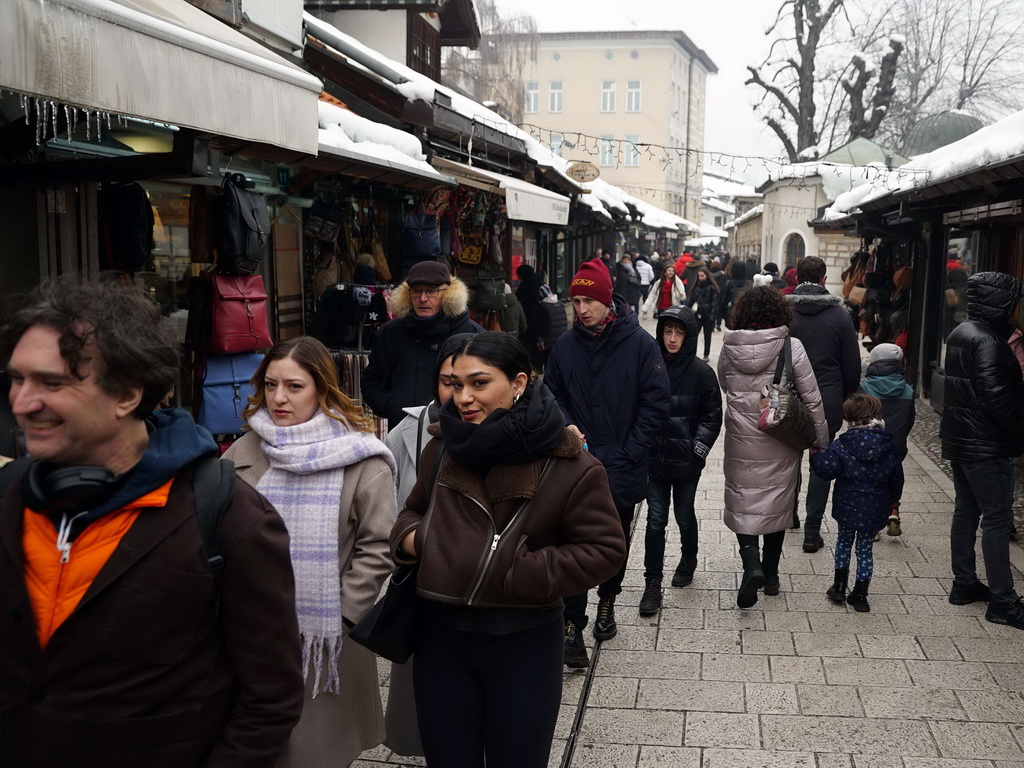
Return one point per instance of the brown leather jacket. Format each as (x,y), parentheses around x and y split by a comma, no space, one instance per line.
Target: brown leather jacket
(524,535)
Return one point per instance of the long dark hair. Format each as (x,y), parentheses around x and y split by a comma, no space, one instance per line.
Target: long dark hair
(501,350)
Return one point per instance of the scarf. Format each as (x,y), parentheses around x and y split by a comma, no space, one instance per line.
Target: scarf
(304,483)
(598,329)
(528,430)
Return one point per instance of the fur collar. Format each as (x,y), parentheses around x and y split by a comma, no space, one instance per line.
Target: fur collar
(454,303)
(823,299)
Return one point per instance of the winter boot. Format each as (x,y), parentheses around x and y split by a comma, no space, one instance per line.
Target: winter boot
(858,596)
(684,572)
(965,594)
(575,650)
(753,577)
(770,566)
(1010,615)
(651,600)
(605,627)
(837,592)
(812,541)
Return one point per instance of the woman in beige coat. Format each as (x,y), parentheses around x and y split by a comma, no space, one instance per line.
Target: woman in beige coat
(760,471)
(310,451)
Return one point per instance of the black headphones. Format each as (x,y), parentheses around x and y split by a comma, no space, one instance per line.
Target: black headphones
(67,489)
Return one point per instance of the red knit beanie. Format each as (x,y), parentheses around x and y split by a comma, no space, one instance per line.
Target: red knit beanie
(594,281)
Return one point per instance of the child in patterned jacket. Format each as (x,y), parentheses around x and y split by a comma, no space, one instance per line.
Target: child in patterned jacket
(866,465)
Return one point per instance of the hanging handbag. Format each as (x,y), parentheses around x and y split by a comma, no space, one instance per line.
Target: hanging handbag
(227,385)
(243,227)
(858,295)
(239,321)
(420,238)
(783,414)
(490,290)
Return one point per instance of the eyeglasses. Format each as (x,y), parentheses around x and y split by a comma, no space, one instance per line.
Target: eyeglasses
(433,293)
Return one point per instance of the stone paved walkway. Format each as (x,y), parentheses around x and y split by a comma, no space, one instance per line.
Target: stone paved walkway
(798,681)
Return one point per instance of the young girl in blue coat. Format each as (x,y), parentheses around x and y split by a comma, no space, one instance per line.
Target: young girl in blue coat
(866,465)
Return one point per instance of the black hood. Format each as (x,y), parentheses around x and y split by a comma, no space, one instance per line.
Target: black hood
(681,314)
(810,299)
(992,297)
(738,271)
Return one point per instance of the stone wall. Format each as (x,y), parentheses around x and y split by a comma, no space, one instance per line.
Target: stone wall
(836,249)
(745,238)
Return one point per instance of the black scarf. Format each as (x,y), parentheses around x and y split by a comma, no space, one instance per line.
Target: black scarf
(517,435)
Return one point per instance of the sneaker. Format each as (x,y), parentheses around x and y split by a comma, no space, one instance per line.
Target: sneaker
(964,594)
(605,627)
(651,600)
(1011,615)
(684,572)
(893,528)
(575,651)
(812,541)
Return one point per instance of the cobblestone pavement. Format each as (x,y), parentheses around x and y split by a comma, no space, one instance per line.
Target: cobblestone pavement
(798,681)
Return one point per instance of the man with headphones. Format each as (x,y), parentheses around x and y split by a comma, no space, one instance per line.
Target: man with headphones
(119,645)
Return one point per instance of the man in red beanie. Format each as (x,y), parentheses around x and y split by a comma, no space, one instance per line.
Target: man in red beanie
(609,379)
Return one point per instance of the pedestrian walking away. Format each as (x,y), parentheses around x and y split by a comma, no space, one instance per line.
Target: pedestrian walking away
(646,273)
(760,471)
(703,298)
(678,453)
(609,380)
(134,634)
(867,467)
(517,517)
(982,433)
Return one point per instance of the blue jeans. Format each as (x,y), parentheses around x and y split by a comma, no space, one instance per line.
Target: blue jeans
(683,493)
(817,498)
(984,494)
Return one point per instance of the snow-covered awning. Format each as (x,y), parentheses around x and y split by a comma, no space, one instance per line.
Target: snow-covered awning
(160,60)
(523,201)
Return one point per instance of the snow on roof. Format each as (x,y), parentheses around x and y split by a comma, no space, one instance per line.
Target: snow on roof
(709,230)
(836,178)
(757,210)
(718,205)
(721,187)
(989,145)
(345,130)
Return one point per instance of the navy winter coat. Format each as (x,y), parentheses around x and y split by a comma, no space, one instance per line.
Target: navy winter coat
(868,472)
(824,328)
(682,442)
(886,381)
(615,390)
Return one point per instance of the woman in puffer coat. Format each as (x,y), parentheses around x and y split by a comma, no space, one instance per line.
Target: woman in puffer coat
(760,471)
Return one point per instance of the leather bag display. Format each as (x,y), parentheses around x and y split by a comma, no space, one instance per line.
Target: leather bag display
(858,295)
(490,290)
(227,385)
(243,230)
(239,314)
(420,238)
(783,414)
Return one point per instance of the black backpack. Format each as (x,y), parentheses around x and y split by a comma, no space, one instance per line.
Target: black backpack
(213,485)
(243,227)
(490,290)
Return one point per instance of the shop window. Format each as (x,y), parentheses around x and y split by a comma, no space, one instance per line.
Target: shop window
(423,50)
(632,151)
(555,96)
(607,95)
(795,249)
(632,95)
(532,104)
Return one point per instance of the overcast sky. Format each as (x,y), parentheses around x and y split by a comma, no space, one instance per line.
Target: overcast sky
(730,31)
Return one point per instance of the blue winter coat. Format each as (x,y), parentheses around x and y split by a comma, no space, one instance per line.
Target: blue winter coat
(615,390)
(868,472)
(683,440)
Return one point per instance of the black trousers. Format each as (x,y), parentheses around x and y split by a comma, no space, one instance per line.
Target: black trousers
(488,699)
(706,323)
(576,605)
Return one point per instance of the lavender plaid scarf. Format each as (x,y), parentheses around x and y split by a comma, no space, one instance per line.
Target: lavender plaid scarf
(304,483)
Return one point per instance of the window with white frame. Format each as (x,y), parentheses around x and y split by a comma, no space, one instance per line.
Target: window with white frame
(607,156)
(555,96)
(532,104)
(607,95)
(556,144)
(632,95)
(632,151)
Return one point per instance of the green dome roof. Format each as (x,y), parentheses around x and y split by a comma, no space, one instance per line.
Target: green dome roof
(939,130)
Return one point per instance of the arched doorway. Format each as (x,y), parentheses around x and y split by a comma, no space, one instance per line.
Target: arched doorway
(795,249)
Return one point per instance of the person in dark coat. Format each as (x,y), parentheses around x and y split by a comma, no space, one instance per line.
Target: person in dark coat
(737,283)
(823,326)
(887,381)
(689,273)
(771,268)
(982,433)
(678,453)
(628,283)
(868,471)
(429,306)
(609,379)
(703,297)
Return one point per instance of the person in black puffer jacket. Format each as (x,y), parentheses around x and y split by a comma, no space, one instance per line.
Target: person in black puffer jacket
(703,298)
(737,283)
(982,432)
(678,452)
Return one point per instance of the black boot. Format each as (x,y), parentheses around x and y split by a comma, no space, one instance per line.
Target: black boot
(858,596)
(605,627)
(812,540)
(770,565)
(650,602)
(837,592)
(575,650)
(753,577)
(684,571)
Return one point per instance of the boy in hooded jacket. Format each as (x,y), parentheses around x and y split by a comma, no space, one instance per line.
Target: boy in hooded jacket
(679,451)
(868,471)
(886,381)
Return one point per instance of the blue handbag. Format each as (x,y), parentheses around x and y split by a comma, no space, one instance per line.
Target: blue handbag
(227,386)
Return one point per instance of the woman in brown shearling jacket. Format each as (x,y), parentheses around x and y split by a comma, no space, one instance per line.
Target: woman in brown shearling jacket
(509,515)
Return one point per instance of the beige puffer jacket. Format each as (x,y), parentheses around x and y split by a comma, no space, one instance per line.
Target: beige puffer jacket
(760,471)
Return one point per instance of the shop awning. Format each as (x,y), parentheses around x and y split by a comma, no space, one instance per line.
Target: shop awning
(524,201)
(373,168)
(161,60)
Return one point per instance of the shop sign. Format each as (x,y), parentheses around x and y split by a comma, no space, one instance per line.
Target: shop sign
(582,171)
